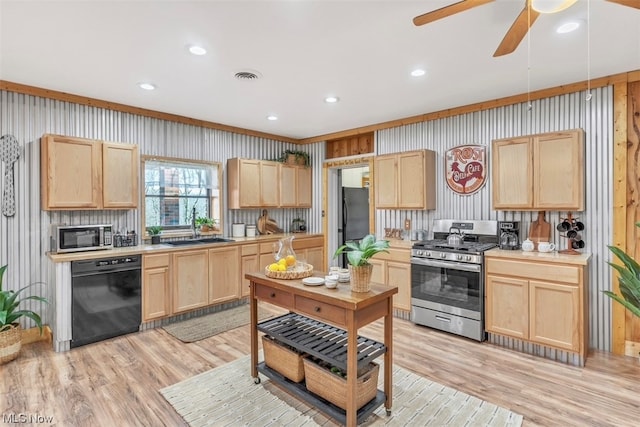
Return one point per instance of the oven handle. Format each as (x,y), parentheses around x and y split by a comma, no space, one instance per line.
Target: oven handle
(474,268)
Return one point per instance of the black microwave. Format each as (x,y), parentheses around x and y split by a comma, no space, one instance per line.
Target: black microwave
(77,238)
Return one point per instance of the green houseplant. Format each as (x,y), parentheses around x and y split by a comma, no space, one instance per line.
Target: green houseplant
(629,280)
(10,314)
(295,157)
(154,232)
(358,255)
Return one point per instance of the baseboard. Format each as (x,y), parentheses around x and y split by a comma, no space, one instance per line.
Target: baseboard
(32,335)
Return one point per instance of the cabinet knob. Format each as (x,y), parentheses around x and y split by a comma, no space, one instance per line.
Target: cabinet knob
(316,309)
(272,295)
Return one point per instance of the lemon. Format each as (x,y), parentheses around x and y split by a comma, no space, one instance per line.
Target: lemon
(282,261)
(290,260)
(274,267)
(282,267)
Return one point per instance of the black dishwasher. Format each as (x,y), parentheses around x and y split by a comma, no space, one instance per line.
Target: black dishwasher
(106,296)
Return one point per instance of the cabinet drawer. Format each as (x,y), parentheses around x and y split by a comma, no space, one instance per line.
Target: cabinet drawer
(534,270)
(310,242)
(319,310)
(249,250)
(154,261)
(267,248)
(397,255)
(274,296)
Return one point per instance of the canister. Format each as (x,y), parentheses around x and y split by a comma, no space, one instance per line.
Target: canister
(237,229)
(251,231)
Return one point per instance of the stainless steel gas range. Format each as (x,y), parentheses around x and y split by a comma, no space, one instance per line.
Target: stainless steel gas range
(447,280)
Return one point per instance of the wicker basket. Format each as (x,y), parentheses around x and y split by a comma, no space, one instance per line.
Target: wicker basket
(299,273)
(333,388)
(10,343)
(283,360)
(360,277)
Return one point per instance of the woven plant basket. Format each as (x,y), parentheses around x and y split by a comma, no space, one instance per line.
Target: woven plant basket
(281,359)
(360,277)
(299,273)
(10,343)
(332,387)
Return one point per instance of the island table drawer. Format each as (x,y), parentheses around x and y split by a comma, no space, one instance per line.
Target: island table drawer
(320,310)
(273,296)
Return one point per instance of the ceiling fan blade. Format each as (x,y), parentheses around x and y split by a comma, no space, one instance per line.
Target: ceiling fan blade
(443,12)
(518,30)
(630,3)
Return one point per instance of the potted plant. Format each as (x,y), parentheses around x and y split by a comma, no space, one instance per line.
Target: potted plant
(10,330)
(629,280)
(358,255)
(154,232)
(205,224)
(295,157)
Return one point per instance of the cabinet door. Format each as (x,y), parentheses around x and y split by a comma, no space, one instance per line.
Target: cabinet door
(190,280)
(288,185)
(120,176)
(269,183)
(249,188)
(379,271)
(512,174)
(304,188)
(156,294)
(507,306)
(558,173)
(411,180)
(224,274)
(71,175)
(555,315)
(386,179)
(250,264)
(315,257)
(399,275)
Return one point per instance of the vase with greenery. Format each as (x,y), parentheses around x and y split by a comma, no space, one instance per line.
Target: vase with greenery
(358,255)
(206,224)
(629,280)
(10,314)
(295,157)
(154,232)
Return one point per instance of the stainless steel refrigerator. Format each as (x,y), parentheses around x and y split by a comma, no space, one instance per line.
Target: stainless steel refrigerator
(354,215)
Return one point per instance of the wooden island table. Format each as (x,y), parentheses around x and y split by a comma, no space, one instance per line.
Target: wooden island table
(341,310)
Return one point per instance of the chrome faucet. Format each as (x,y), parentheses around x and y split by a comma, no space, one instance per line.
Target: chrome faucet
(193,223)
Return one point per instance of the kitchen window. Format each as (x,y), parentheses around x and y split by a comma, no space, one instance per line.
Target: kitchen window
(173,187)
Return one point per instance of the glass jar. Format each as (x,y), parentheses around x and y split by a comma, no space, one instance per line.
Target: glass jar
(283,248)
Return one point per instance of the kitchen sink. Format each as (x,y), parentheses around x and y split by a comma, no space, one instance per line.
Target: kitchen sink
(198,241)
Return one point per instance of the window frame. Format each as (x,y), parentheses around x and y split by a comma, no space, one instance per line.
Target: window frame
(182,230)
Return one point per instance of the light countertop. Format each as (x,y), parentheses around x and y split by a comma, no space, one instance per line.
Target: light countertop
(554,256)
(165,248)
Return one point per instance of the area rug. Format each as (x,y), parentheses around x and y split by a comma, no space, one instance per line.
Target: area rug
(227,396)
(206,326)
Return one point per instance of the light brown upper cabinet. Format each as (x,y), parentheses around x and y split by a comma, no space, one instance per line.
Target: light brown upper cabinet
(539,172)
(79,174)
(405,180)
(263,183)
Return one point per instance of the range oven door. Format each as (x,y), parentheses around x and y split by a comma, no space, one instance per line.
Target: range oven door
(447,286)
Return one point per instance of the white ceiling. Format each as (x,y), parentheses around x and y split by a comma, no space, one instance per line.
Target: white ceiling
(361,51)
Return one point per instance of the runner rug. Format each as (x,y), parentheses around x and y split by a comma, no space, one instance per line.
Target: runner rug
(227,396)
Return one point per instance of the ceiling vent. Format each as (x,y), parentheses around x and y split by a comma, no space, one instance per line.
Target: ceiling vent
(248,75)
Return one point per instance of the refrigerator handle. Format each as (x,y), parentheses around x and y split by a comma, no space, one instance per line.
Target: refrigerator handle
(345,214)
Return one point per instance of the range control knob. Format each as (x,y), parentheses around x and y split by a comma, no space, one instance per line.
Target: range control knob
(443,255)
(427,253)
(459,257)
(467,258)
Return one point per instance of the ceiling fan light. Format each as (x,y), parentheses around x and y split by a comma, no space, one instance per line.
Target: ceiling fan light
(551,6)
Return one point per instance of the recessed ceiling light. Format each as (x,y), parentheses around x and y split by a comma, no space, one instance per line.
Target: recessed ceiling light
(567,27)
(272,117)
(146,86)
(197,50)
(418,72)
(331,99)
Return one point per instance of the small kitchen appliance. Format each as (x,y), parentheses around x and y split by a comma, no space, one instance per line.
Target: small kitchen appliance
(79,238)
(509,234)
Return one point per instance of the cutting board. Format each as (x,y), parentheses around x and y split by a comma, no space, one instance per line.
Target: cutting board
(540,230)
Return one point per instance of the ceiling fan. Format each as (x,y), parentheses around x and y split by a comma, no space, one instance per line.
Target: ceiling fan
(520,27)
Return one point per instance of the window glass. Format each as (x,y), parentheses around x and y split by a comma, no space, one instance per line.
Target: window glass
(173,188)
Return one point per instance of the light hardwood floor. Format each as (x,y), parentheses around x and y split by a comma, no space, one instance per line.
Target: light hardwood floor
(116,382)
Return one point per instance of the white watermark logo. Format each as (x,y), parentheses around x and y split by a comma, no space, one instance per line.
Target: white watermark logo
(23,418)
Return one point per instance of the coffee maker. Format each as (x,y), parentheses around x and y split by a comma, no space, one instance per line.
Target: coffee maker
(509,235)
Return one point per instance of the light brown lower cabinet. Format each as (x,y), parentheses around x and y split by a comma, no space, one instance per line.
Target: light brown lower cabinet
(156,290)
(190,275)
(224,274)
(249,263)
(394,269)
(540,302)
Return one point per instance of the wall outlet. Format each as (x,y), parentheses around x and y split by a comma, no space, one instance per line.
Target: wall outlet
(407,224)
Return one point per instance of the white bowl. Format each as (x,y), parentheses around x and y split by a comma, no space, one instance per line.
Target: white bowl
(331,284)
(331,278)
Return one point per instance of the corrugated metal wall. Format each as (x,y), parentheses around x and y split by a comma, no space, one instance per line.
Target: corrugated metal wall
(23,238)
(546,115)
